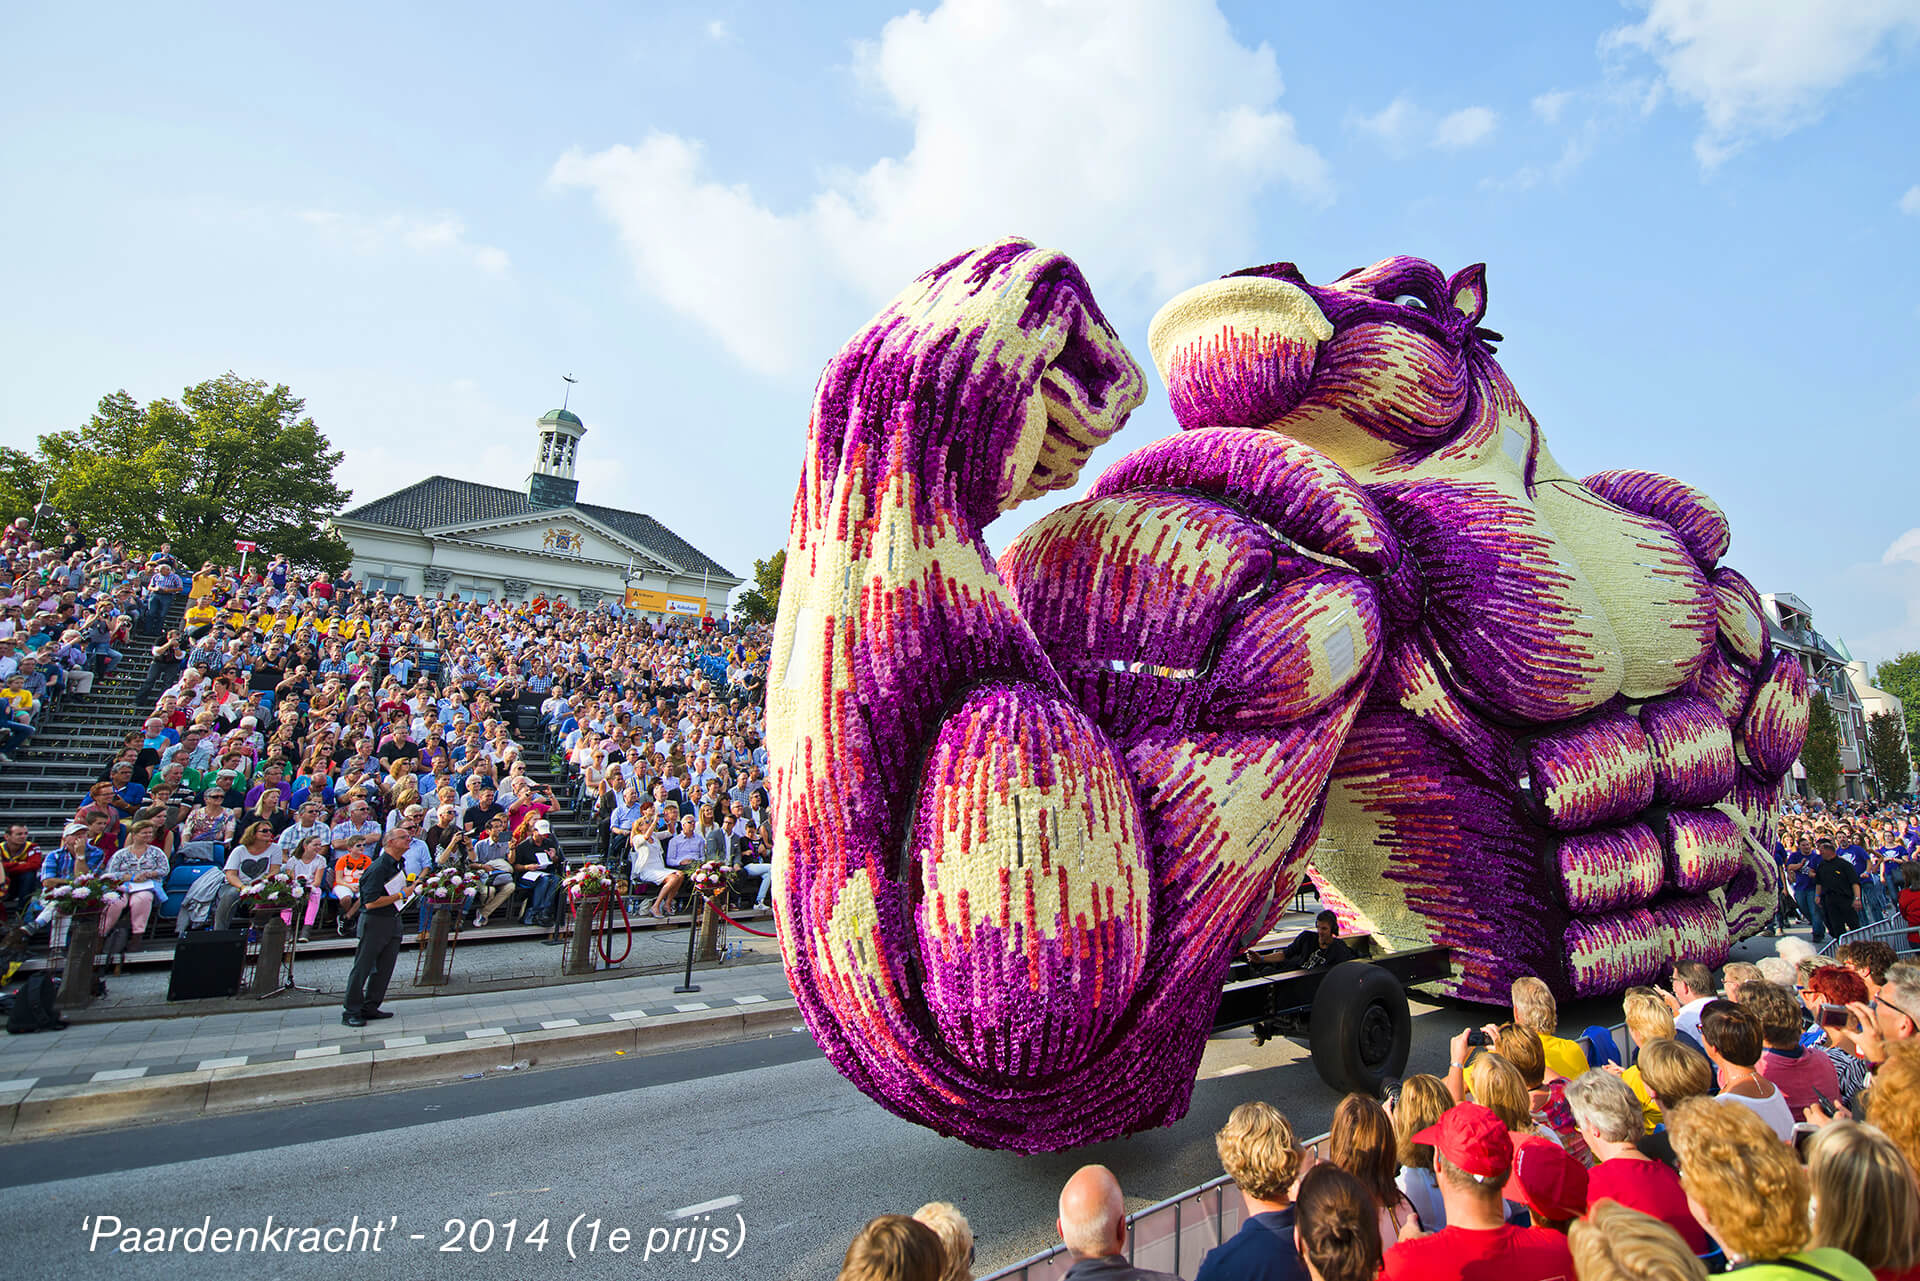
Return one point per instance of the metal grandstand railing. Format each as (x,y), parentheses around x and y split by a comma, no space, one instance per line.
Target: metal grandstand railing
(1894,931)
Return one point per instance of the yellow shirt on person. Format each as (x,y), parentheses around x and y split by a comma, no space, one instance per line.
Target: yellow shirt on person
(1649,1110)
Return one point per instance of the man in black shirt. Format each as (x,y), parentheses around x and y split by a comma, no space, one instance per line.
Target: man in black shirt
(1837,885)
(1320,948)
(482,811)
(379,932)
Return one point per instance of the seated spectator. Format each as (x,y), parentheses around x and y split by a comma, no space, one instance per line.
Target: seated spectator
(1609,1117)
(1614,1243)
(1535,1009)
(307,862)
(1549,1183)
(1258,1151)
(140,867)
(1746,1188)
(1865,1201)
(1318,948)
(1674,1071)
(893,1247)
(1361,1142)
(1333,1230)
(1473,1158)
(956,1238)
(347,871)
(1648,1020)
(1422,1100)
(1734,1044)
(1805,1076)
(1093,1225)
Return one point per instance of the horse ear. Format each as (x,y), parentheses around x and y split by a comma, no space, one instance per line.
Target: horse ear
(1468,289)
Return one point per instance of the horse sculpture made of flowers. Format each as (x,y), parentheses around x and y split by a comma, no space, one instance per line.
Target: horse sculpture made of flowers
(1354,622)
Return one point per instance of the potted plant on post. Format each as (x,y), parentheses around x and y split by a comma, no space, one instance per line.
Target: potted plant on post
(80,901)
(591,889)
(445,889)
(268,898)
(712,881)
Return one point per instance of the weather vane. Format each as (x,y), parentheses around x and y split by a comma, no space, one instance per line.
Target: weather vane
(570,380)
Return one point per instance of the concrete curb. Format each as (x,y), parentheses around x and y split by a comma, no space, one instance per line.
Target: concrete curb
(48,1111)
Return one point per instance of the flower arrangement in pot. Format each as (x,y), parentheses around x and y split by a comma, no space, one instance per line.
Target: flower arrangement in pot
(84,895)
(276,891)
(712,878)
(591,881)
(445,886)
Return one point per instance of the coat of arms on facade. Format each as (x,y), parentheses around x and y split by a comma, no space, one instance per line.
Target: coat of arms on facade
(562,540)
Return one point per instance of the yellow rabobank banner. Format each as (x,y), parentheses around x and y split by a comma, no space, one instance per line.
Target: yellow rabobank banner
(664,602)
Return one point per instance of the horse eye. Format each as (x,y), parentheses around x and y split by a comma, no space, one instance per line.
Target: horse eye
(1411,300)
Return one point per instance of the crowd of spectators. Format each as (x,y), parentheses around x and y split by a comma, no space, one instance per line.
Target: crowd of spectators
(299,719)
(1849,867)
(1733,1142)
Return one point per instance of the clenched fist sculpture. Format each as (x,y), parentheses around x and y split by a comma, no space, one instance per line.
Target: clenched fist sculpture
(1352,622)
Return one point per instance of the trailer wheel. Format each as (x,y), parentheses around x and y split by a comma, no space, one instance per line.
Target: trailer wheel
(1360,1030)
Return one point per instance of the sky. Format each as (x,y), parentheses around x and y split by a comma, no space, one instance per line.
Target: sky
(1699,219)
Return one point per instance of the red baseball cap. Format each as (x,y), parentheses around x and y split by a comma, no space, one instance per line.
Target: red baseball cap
(1472,1138)
(1550,1183)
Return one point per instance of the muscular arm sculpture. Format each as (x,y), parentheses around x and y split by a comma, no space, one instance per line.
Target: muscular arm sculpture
(1353,614)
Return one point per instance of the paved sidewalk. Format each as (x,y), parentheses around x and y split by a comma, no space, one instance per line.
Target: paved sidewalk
(131,1072)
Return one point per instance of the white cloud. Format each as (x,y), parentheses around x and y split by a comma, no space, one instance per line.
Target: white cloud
(1549,105)
(1394,124)
(1910,203)
(436,237)
(1403,124)
(1136,137)
(1904,548)
(1762,68)
(719,31)
(1464,127)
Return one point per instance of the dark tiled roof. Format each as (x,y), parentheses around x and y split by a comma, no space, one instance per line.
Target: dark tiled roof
(440,500)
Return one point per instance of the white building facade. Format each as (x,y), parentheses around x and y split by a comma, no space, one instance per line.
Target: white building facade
(446,537)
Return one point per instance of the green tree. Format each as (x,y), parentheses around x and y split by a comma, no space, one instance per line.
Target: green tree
(230,460)
(21,478)
(1887,749)
(760,602)
(1900,677)
(1820,754)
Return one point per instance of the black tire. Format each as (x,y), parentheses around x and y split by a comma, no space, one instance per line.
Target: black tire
(1360,1030)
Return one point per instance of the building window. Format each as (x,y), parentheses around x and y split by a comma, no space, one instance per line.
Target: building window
(478,595)
(383,583)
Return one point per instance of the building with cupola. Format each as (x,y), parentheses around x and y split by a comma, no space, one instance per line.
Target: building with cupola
(459,538)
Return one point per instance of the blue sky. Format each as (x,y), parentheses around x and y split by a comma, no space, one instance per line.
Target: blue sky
(1699,219)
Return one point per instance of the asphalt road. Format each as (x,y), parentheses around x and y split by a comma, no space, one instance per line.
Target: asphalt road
(623,1144)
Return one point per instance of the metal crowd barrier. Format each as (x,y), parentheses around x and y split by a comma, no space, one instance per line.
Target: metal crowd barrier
(1893,931)
(1168,1236)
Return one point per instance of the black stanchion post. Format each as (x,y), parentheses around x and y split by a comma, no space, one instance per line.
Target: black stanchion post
(693,934)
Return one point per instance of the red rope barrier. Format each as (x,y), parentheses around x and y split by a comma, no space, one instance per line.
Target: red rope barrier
(606,929)
(717,910)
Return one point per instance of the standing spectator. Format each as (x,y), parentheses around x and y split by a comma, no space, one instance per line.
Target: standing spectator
(893,1247)
(1093,1224)
(381,889)
(1258,1151)
(1535,1009)
(1333,1228)
(956,1238)
(1609,1118)
(1864,1199)
(168,658)
(1473,1159)
(1423,1099)
(1747,1189)
(1361,1142)
(1804,1075)
(1837,887)
(1549,1183)
(1734,1044)
(1687,998)
(1894,1105)
(1614,1243)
